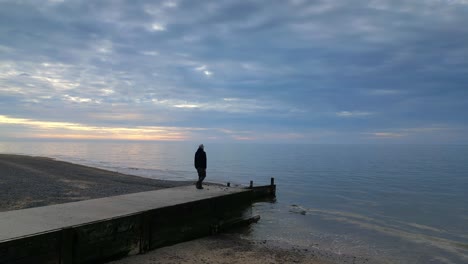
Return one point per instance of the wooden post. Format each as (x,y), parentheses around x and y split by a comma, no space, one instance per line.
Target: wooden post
(251,184)
(228,184)
(272,181)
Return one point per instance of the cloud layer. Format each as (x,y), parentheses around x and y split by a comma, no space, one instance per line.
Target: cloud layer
(305,71)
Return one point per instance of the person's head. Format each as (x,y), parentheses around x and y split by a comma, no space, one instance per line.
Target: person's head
(201,146)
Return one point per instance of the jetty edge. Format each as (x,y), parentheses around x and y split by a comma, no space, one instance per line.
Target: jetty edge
(104,229)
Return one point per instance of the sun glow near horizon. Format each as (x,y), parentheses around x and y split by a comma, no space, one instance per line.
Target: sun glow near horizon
(67,130)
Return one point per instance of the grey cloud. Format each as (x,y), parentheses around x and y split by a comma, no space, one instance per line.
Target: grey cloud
(316,56)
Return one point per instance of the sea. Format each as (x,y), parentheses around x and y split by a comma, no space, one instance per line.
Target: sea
(387,203)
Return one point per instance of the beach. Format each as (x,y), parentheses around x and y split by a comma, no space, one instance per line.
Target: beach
(230,248)
(37,181)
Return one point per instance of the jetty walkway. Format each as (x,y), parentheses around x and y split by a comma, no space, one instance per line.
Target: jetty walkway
(100,230)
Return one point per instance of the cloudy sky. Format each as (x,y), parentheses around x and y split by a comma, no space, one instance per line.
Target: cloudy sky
(334,71)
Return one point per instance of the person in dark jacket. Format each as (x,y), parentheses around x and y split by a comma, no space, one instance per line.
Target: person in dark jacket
(200,165)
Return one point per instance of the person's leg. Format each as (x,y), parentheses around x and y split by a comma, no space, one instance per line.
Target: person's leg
(200,173)
(199,184)
(201,177)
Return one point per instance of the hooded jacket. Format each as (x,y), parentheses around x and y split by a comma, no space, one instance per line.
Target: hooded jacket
(200,159)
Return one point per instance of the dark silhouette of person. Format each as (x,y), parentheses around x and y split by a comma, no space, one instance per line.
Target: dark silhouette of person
(200,165)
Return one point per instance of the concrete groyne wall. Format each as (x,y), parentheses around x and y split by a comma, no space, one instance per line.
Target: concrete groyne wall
(119,229)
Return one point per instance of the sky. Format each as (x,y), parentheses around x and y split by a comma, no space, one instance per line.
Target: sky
(334,71)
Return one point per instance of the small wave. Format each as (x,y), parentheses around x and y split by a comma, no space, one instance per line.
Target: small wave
(392,229)
(298,209)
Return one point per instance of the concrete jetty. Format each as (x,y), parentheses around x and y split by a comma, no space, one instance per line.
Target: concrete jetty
(99,230)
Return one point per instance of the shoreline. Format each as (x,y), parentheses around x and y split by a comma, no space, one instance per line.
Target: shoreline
(28,181)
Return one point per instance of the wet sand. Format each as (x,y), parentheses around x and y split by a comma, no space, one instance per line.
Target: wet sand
(37,181)
(229,248)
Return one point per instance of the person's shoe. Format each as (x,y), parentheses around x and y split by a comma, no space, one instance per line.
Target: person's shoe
(199,187)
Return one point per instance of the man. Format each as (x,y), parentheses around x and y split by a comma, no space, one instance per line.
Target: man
(200,165)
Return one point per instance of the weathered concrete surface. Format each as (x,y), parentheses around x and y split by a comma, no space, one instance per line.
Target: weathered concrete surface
(99,230)
(26,222)
(266,192)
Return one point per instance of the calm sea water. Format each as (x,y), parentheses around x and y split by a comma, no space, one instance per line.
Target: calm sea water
(395,203)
